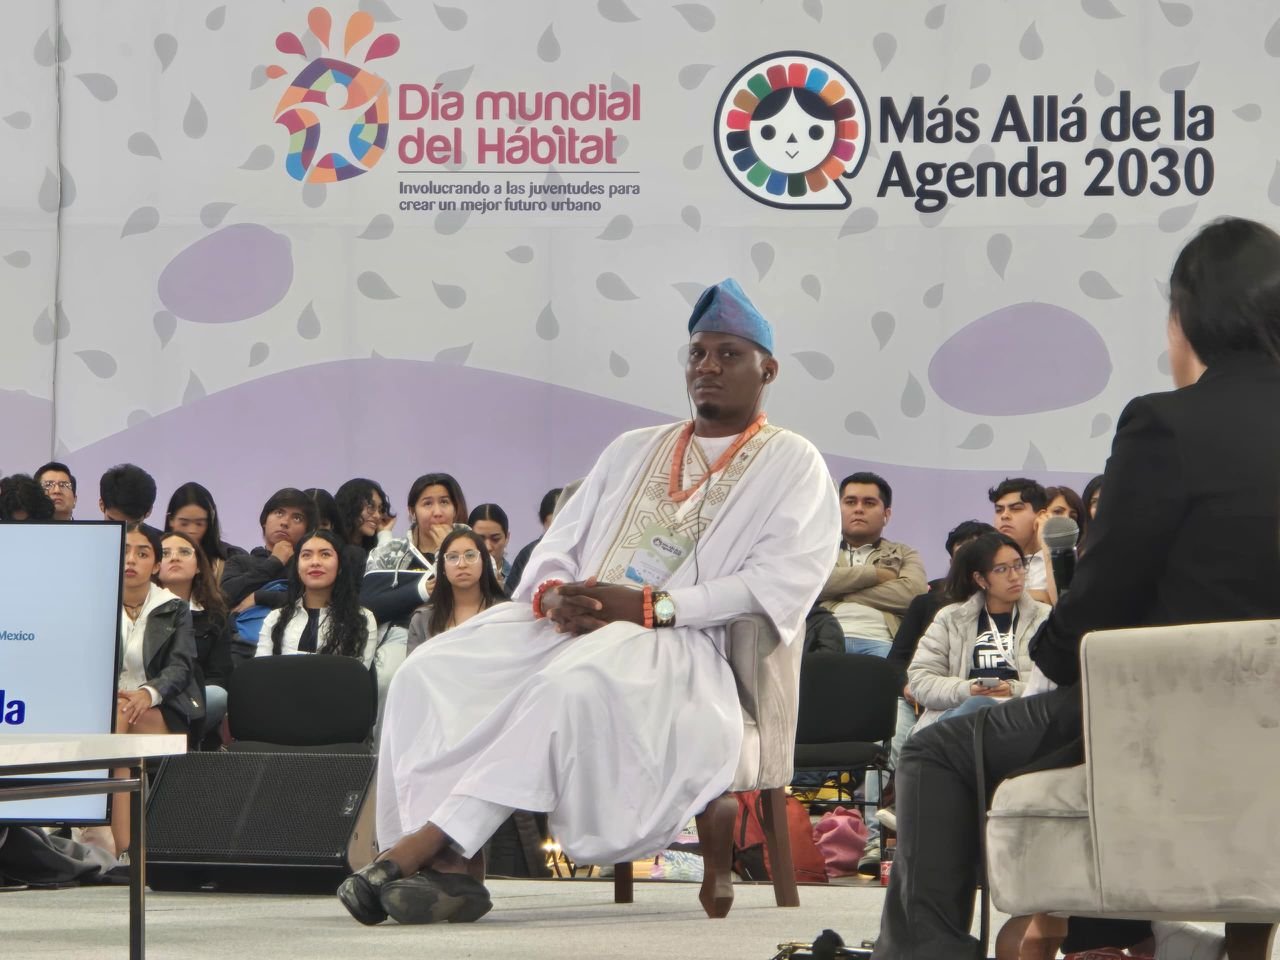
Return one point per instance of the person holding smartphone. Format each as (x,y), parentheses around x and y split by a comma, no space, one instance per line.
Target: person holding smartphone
(974,654)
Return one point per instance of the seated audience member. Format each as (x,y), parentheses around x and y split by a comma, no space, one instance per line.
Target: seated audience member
(1064,502)
(59,486)
(869,590)
(284,519)
(469,586)
(322,613)
(974,654)
(22,499)
(327,515)
(874,579)
(126,494)
(192,511)
(185,571)
(365,512)
(158,687)
(490,521)
(1018,504)
(330,517)
(400,573)
(915,621)
(1092,493)
(546,510)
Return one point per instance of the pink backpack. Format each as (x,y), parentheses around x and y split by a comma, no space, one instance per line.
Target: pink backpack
(841,837)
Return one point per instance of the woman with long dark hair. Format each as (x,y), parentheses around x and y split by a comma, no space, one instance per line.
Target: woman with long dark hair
(186,572)
(328,516)
(1092,494)
(322,613)
(192,511)
(157,688)
(365,512)
(401,573)
(469,585)
(974,653)
(490,522)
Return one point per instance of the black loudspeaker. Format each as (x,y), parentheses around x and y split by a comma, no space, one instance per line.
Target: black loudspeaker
(260,822)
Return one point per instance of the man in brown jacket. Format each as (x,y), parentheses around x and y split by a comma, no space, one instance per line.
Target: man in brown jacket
(874,579)
(869,590)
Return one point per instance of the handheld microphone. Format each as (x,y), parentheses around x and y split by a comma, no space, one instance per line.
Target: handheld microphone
(1060,535)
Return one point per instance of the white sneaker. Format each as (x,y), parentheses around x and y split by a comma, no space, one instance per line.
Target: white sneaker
(888,818)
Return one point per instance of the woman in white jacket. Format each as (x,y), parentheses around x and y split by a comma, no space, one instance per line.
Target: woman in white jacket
(974,654)
(323,612)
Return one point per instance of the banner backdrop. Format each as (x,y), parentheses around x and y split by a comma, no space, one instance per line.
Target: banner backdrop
(266,244)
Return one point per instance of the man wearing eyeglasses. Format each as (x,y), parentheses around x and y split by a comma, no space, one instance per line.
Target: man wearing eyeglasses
(59,485)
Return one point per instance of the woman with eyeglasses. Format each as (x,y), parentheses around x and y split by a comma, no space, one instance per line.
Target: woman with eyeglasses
(469,586)
(974,654)
(186,572)
(365,512)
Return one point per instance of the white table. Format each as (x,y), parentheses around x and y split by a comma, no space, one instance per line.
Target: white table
(27,753)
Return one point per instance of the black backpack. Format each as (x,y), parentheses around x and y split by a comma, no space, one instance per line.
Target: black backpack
(822,632)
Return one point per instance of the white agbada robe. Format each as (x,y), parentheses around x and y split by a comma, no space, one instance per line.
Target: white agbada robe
(622,734)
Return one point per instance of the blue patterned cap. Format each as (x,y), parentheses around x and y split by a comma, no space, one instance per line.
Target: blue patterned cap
(725,308)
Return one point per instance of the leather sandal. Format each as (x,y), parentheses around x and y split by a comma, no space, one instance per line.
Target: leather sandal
(431,897)
(359,892)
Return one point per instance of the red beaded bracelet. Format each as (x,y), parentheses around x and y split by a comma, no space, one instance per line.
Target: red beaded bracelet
(537,596)
(648,608)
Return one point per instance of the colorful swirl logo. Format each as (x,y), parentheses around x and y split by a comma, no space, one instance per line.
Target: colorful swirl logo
(325,144)
(790,127)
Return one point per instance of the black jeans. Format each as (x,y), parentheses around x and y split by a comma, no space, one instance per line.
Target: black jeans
(928,910)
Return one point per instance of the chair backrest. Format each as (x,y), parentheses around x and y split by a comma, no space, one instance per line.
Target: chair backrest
(766,672)
(847,698)
(1182,740)
(302,700)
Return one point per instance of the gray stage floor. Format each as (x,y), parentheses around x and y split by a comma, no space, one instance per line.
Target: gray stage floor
(530,919)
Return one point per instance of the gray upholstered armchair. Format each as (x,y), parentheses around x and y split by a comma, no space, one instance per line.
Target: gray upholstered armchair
(1176,813)
(768,676)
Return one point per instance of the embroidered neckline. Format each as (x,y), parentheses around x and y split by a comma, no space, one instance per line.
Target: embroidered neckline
(677,459)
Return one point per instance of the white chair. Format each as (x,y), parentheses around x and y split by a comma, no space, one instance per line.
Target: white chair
(1175,814)
(768,676)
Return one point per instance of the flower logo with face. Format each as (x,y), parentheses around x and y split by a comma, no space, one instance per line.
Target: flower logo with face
(789,128)
(336,113)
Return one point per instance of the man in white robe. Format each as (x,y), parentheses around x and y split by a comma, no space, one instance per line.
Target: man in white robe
(564,701)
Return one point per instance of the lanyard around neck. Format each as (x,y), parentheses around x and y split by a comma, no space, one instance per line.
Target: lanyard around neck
(1003,644)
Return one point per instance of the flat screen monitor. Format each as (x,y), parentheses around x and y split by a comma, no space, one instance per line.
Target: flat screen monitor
(59,644)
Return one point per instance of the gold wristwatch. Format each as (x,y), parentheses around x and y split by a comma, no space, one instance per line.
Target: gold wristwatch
(664,609)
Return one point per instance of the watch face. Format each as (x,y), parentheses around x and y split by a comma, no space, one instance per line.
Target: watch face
(664,609)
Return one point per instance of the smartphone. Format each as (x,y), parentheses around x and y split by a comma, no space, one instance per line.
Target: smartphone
(989,682)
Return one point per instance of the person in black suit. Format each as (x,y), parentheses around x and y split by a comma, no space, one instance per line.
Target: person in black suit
(1188,530)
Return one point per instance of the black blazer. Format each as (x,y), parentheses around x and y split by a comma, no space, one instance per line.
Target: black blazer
(169,660)
(1188,527)
(213,648)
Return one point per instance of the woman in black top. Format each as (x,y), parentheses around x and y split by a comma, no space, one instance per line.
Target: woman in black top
(192,511)
(185,571)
